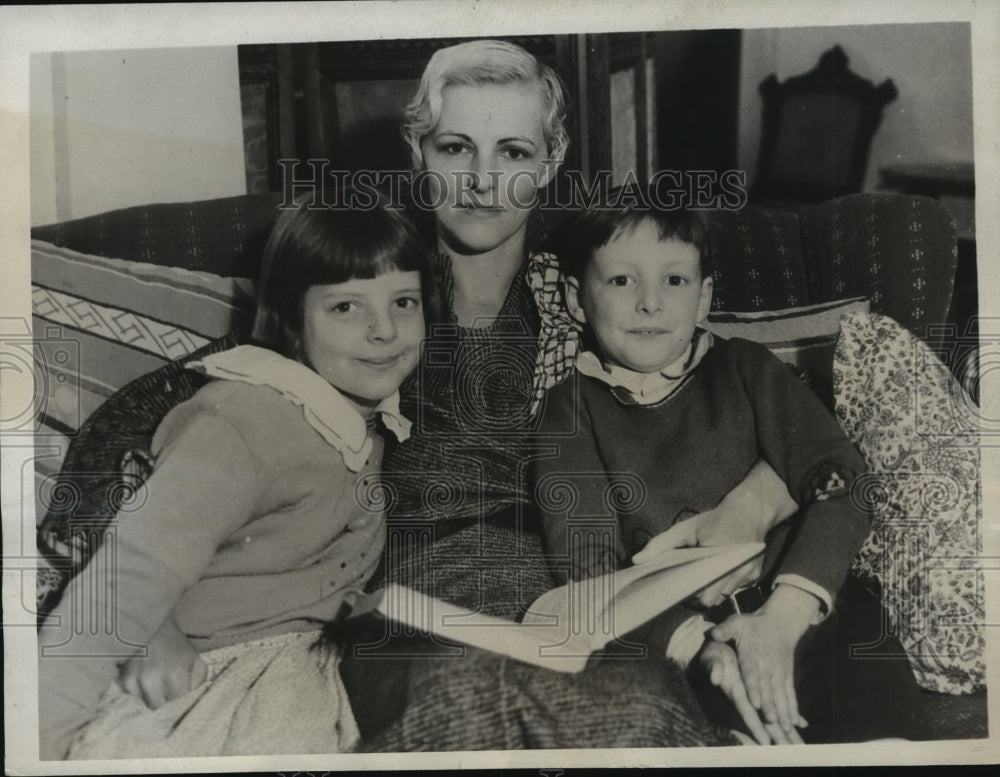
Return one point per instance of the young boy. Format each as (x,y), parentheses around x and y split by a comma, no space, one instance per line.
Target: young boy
(687,416)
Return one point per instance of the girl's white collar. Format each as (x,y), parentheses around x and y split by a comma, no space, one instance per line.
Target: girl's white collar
(324,407)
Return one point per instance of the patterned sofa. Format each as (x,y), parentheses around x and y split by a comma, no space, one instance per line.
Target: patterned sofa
(125,297)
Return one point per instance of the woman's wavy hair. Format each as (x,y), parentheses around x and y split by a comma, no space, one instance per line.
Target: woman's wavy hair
(481,62)
(311,246)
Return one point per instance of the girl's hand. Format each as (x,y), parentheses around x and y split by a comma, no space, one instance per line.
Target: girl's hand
(172,668)
(765,646)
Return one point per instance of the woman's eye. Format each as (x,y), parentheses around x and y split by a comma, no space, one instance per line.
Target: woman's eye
(516,154)
(452,149)
(343,307)
(408,303)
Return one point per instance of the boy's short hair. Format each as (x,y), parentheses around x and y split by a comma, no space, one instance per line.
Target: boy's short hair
(311,246)
(588,230)
(477,63)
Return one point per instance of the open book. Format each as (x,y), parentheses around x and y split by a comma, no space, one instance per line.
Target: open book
(564,626)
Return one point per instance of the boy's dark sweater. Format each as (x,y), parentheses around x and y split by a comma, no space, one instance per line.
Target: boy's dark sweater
(682,455)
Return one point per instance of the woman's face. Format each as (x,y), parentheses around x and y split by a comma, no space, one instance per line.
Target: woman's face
(486,162)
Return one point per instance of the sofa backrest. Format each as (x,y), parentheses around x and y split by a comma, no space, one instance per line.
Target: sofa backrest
(757,260)
(223,236)
(897,250)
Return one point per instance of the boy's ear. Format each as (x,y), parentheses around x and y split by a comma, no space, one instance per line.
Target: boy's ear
(572,288)
(705,301)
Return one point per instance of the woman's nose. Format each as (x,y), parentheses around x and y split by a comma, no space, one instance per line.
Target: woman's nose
(482,180)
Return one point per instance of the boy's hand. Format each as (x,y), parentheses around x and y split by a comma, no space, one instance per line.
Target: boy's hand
(715,527)
(172,668)
(765,645)
(756,504)
(720,664)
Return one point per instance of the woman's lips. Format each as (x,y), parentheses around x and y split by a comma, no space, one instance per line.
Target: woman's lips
(481,210)
(478,205)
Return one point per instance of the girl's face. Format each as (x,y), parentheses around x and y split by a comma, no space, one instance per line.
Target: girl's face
(364,335)
(486,162)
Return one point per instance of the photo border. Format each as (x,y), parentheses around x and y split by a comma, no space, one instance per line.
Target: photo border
(47,28)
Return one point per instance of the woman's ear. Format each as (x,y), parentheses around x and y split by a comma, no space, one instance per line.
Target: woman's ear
(572,289)
(705,300)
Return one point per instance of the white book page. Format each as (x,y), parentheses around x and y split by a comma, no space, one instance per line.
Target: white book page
(652,594)
(524,642)
(629,597)
(556,602)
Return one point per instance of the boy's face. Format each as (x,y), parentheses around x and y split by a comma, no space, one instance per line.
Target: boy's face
(642,297)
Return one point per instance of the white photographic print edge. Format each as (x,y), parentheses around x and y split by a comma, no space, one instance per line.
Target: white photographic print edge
(30,31)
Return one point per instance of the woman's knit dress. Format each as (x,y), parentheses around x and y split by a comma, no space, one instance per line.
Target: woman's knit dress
(461,527)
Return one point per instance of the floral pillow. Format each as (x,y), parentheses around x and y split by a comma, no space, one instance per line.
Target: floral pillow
(916,429)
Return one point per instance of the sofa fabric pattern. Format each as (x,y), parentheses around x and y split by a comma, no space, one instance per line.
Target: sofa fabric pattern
(224,236)
(120,319)
(901,253)
(757,260)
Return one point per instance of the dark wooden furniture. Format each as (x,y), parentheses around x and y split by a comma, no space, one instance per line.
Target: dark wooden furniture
(343,101)
(932,180)
(817,132)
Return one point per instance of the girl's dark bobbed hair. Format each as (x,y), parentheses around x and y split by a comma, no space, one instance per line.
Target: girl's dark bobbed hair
(313,244)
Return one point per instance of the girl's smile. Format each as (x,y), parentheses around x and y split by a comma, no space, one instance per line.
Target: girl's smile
(363,336)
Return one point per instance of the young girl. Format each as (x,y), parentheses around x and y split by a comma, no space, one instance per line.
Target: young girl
(262,515)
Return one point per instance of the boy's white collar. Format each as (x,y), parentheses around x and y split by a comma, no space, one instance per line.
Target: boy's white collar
(324,407)
(647,387)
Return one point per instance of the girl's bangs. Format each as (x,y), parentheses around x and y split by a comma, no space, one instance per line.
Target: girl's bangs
(365,249)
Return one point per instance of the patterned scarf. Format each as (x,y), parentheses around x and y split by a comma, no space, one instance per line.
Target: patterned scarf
(559,336)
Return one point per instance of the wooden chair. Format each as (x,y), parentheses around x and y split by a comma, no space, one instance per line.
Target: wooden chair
(817,132)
